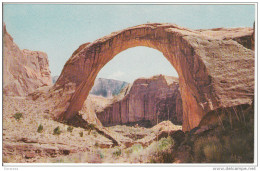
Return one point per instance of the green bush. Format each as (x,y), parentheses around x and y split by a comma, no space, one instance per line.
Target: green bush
(213,152)
(18,116)
(91,126)
(163,157)
(136,148)
(101,155)
(96,144)
(117,152)
(208,149)
(165,143)
(70,129)
(40,128)
(81,134)
(57,131)
(162,151)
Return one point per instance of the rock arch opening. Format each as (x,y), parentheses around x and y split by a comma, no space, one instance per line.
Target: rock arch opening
(199,60)
(140,87)
(137,62)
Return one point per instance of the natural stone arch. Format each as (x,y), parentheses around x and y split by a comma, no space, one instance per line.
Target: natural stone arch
(206,67)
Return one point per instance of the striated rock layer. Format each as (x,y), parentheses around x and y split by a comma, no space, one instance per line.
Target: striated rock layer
(154,100)
(214,72)
(23,70)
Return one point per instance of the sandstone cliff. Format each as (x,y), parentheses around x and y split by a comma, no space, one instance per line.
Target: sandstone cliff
(23,70)
(147,102)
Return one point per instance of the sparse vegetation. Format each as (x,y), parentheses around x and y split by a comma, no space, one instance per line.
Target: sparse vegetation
(81,134)
(96,144)
(101,155)
(232,141)
(91,126)
(57,131)
(207,149)
(162,151)
(70,128)
(136,148)
(229,140)
(40,128)
(18,116)
(117,152)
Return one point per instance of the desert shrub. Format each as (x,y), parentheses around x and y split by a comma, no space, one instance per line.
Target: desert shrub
(207,149)
(57,131)
(162,151)
(241,147)
(70,129)
(165,143)
(117,152)
(163,157)
(101,155)
(96,144)
(81,134)
(40,128)
(91,126)
(136,148)
(212,152)
(18,116)
(95,134)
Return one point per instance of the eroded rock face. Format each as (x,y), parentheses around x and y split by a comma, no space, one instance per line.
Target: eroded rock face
(147,101)
(214,72)
(23,70)
(241,35)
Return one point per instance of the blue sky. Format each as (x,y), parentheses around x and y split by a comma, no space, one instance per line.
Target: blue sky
(59,29)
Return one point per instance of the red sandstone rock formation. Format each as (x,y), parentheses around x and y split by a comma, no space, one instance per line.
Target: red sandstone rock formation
(23,70)
(241,35)
(154,99)
(214,72)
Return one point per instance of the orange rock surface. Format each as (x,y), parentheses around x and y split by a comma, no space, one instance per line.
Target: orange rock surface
(213,72)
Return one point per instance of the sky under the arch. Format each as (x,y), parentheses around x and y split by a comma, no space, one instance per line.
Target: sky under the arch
(58,30)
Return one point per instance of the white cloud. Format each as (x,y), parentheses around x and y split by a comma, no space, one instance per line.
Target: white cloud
(116,75)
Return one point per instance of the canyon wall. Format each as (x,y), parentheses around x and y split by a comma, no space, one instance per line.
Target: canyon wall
(23,70)
(146,102)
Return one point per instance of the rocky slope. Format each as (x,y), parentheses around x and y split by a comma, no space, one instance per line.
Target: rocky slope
(23,70)
(24,142)
(147,102)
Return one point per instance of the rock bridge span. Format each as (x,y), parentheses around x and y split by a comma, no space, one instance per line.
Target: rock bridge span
(213,72)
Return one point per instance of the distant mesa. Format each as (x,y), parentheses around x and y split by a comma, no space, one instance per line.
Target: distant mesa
(54,79)
(104,87)
(107,87)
